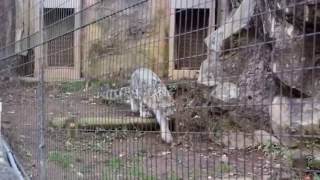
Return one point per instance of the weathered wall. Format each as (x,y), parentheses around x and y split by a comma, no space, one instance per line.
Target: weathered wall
(7,19)
(125,39)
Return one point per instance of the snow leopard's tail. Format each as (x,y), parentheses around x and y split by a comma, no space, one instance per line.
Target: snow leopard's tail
(120,95)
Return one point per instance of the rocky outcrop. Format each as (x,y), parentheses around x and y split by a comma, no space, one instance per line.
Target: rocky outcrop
(268,68)
(241,140)
(294,118)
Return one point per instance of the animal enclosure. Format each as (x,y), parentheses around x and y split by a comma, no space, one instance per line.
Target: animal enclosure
(162,89)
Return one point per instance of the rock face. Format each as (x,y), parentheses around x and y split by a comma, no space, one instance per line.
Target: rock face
(268,69)
(210,70)
(242,77)
(257,86)
(241,140)
(293,60)
(225,91)
(292,118)
(239,19)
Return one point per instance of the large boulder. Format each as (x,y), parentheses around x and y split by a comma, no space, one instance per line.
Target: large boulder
(210,70)
(256,83)
(242,140)
(294,118)
(225,91)
(294,49)
(293,58)
(243,79)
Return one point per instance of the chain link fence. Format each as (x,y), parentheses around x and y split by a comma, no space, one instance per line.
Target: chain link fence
(162,89)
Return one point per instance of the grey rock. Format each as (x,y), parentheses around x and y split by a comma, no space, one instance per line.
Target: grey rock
(263,137)
(304,158)
(242,140)
(234,23)
(256,83)
(292,118)
(292,59)
(282,173)
(225,91)
(210,70)
(238,140)
(292,55)
(242,77)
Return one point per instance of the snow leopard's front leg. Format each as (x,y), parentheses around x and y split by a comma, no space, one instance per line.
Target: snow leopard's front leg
(134,105)
(144,112)
(164,127)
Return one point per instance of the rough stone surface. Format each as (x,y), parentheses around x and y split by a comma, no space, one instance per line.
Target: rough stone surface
(292,59)
(294,117)
(302,158)
(256,83)
(225,91)
(227,66)
(238,140)
(263,137)
(241,140)
(243,76)
(210,70)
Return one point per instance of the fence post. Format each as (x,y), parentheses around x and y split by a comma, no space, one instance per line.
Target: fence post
(41,101)
(0,118)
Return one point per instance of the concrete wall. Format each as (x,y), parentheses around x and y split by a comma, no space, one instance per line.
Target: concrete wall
(29,26)
(136,37)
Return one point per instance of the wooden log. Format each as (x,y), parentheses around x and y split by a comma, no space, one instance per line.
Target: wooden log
(102,122)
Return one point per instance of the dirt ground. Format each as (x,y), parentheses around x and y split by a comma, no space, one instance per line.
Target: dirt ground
(114,154)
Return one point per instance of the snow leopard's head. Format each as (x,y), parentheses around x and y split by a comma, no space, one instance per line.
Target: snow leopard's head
(167,107)
(125,94)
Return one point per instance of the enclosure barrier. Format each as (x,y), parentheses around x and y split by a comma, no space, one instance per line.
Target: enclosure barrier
(161,89)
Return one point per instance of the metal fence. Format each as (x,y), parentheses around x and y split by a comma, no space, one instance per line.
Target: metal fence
(162,89)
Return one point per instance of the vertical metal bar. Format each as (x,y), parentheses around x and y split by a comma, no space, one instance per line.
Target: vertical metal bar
(40,103)
(0,118)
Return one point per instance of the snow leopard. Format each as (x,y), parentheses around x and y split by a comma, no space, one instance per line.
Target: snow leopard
(150,97)
(120,95)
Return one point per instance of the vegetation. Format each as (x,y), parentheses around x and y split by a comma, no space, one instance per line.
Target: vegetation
(74,86)
(115,166)
(272,149)
(224,168)
(62,159)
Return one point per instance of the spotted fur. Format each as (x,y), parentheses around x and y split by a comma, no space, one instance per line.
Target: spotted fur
(121,95)
(149,96)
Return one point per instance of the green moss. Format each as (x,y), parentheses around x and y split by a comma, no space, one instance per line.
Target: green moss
(62,159)
(72,86)
(132,167)
(115,163)
(224,168)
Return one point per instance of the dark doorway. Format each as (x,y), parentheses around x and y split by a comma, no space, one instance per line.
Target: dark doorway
(59,26)
(191,28)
